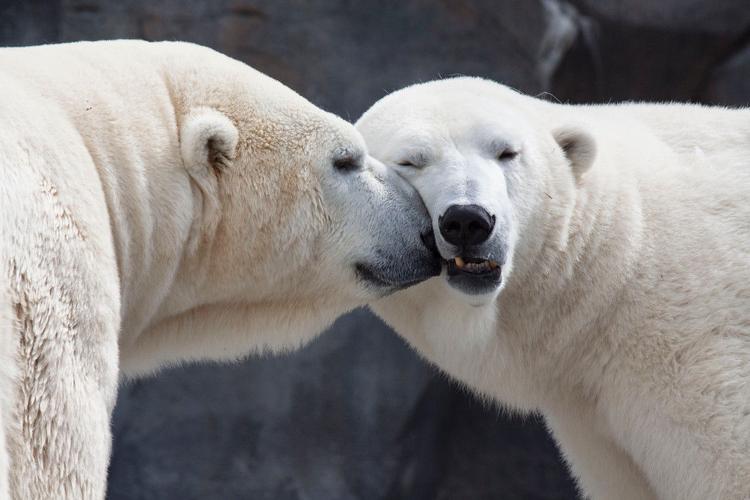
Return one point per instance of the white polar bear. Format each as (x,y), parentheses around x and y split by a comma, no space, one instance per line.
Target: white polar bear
(163,202)
(603,257)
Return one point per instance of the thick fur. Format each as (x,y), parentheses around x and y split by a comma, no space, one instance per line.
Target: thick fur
(160,203)
(8,370)
(624,311)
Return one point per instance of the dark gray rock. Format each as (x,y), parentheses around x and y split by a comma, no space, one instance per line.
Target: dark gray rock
(29,23)
(342,55)
(637,50)
(724,18)
(730,82)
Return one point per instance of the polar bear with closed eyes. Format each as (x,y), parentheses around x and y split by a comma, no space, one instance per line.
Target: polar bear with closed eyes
(596,270)
(162,202)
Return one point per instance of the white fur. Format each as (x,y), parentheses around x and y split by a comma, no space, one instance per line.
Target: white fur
(624,315)
(161,203)
(7,382)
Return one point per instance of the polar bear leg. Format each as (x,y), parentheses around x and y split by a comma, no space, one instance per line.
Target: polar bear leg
(7,376)
(66,338)
(4,491)
(61,445)
(602,469)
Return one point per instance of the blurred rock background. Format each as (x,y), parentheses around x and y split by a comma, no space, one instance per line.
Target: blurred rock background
(357,415)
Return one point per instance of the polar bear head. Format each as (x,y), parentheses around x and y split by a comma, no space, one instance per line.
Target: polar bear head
(487,163)
(300,210)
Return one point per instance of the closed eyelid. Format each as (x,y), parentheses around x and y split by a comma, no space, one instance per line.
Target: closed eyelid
(417,158)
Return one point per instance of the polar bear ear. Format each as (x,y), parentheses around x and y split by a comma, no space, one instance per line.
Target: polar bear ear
(208,140)
(578,146)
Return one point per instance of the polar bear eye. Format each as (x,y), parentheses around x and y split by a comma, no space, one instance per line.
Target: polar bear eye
(347,163)
(507,154)
(417,160)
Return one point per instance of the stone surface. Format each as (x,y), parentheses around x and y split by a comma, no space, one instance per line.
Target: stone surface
(724,17)
(643,50)
(29,23)
(357,414)
(343,54)
(730,82)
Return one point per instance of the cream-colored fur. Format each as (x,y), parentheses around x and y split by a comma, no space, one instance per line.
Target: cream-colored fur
(8,371)
(159,203)
(623,315)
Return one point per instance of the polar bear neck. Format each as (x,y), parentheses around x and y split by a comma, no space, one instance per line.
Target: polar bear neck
(118,103)
(560,303)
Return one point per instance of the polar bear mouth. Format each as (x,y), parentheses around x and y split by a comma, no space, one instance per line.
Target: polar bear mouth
(478,267)
(474,276)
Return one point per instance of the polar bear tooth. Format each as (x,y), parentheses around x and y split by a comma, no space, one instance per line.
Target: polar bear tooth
(459,262)
(493,264)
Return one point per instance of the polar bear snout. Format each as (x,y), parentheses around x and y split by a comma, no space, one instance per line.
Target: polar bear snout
(400,261)
(476,267)
(403,251)
(466,225)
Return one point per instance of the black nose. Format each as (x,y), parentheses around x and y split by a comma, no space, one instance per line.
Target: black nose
(466,225)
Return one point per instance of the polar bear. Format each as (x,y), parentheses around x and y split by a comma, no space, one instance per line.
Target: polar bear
(162,202)
(597,270)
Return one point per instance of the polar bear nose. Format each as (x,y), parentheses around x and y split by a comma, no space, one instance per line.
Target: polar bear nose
(466,225)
